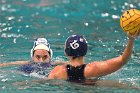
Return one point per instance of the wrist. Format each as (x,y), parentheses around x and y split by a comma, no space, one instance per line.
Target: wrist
(131,38)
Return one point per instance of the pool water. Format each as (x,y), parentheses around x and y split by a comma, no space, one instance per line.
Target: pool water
(22,21)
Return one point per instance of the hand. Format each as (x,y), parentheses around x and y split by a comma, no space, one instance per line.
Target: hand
(135,35)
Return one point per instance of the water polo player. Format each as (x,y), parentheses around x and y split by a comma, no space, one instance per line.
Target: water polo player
(41,55)
(76,48)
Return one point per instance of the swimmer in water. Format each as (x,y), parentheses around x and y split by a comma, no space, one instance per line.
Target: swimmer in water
(76,70)
(41,55)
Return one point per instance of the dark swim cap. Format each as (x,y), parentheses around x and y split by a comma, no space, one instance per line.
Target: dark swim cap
(76,46)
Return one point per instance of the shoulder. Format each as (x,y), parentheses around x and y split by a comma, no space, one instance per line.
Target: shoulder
(59,72)
(89,68)
(93,69)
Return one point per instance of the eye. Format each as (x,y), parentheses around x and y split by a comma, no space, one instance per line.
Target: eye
(38,56)
(45,57)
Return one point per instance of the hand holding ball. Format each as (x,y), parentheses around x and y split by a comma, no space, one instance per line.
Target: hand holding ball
(130,21)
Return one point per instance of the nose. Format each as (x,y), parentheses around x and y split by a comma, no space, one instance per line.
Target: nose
(41,59)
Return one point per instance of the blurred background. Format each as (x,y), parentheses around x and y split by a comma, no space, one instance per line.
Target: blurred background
(22,21)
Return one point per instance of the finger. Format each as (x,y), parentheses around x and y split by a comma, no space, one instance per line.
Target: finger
(130,36)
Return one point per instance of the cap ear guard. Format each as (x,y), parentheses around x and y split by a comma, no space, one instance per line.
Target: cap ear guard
(31,53)
(68,51)
(51,53)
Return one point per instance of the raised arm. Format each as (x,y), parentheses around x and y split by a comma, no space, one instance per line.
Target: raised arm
(13,63)
(97,69)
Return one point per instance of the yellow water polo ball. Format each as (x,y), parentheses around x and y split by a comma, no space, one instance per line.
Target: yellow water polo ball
(130,21)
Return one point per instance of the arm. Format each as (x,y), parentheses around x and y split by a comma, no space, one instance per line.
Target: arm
(14,63)
(57,62)
(97,69)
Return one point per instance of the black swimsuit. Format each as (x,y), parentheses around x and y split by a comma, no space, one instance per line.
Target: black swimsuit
(75,73)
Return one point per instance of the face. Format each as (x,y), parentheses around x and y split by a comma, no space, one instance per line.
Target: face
(41,55)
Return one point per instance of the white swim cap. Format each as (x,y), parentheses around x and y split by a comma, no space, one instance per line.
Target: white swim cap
(41,43)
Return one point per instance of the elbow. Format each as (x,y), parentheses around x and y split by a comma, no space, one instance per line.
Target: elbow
(123,60)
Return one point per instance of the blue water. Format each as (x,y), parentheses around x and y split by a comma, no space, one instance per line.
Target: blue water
(22,21)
